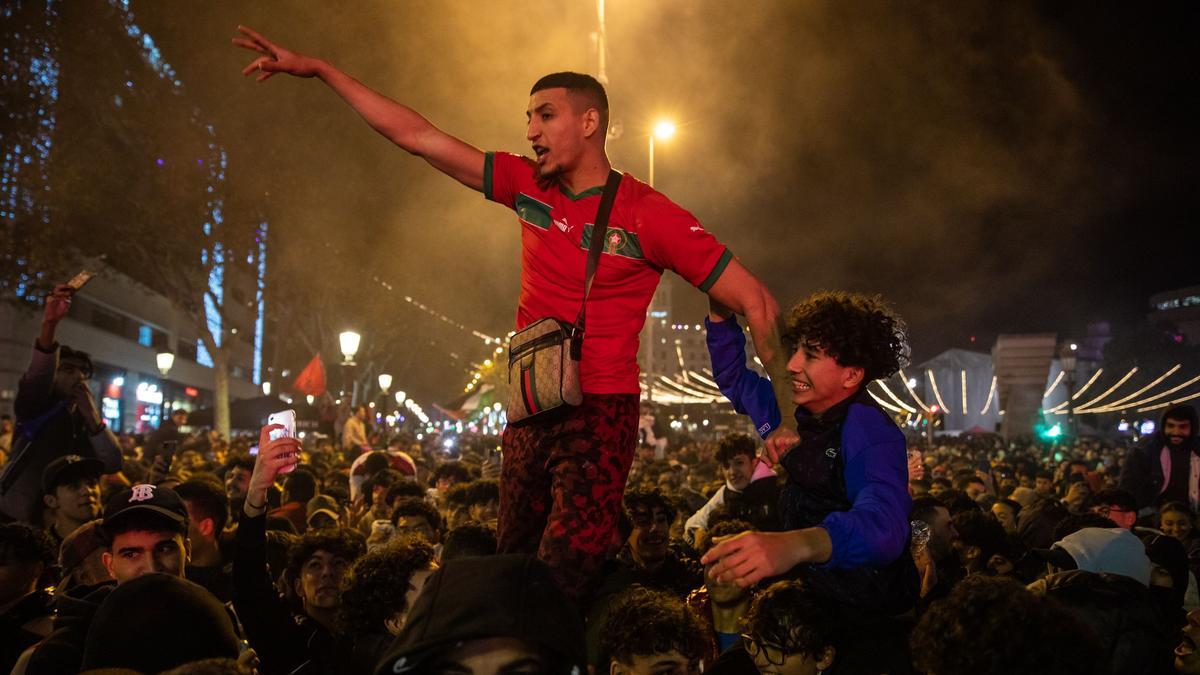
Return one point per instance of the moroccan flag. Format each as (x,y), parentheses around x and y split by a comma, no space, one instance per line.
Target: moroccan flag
(311,380)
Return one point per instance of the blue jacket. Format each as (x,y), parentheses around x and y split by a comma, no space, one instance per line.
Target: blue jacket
(875,530)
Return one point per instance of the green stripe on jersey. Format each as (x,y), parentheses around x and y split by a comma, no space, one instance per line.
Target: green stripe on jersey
(489,160)
(716,272)
(620,242)
(532,211)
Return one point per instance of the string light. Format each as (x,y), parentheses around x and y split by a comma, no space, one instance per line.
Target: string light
(1090,382)
(963,373)
(1054,383)
(1116,405)
(895,398)
(1110,390)
(936,394)
(1168,403)
(1161,394)
(904,379)
(884,403)
(991,393)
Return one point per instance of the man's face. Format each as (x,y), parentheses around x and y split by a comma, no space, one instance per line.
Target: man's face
(1187,660)
(976,490)
(667,663)
(941,534)
(723,594)
(416,525)
(770,658)
(320,580)
(237,482)
(1177,431)
(555,131)
(490,656)
(69,375)
(649,538)
(1118,515)
(416,583)
(1043,486)
(1004,513)
(139,552)
(199,526)
(1176,524)
(818,381)
(78,500)
(738,471)
(180,419)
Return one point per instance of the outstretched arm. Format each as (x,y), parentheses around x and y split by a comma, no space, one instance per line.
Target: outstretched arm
(741,292)
(398,123)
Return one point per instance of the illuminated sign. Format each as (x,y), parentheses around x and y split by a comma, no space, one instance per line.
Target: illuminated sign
(191,391)
(149,393)
(1176,303)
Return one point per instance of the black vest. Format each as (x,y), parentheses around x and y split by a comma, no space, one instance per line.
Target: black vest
(815,488)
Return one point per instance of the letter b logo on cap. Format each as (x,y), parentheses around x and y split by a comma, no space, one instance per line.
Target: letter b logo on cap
(141,493)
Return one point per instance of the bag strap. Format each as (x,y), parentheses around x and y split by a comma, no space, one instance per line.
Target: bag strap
(599,234)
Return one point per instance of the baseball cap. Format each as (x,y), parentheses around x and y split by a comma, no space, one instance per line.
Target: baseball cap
(322,504)
(1113,550)
(146,498)
(68,468)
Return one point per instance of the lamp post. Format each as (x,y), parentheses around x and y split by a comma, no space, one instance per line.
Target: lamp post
(1068,359)
(164,360)
(348,341)
(385,382)
(663,130)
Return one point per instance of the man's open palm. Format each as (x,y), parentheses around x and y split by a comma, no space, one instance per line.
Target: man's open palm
(274,59)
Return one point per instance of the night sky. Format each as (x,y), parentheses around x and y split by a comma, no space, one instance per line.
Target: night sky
(988,167)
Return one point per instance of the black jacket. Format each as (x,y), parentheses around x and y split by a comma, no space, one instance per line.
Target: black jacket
(287,643)
(16,626)
(1142,474)
(1137,638)
(62,650)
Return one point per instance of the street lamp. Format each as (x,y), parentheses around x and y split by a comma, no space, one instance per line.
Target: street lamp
(164,360)
(266,388)
(400,396)
(349,340)
(1068,359)
(663,130)
(385,382)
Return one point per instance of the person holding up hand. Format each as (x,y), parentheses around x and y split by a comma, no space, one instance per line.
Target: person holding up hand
(56,415)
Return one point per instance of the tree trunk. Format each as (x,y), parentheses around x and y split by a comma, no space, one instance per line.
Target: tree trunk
(221,391)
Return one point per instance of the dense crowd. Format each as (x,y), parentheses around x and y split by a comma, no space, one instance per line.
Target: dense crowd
(1031,558)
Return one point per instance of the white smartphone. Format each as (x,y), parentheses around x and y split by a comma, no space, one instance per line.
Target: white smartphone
(287,418)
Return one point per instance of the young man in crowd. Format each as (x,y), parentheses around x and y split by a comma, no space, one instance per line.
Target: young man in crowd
(792,631)
(71,491)
(1117,505)
(647,558)
(298,488)
(146,530)
(750,492)
(647,632)
(469,540)
(208,511)
(720,606)
(413,516)
(238,469)
(56,412)
(305,642)
(26,611)
(563,476)
(1162,468)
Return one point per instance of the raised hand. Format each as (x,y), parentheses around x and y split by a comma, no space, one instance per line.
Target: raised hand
(750,557)
(778,443)
(273,455)
(273,59)
(57,304)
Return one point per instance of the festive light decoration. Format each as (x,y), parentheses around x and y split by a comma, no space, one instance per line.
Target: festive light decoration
(884,403)
(963,376)
(902,404)
(1170,403)
(1095,376)
(936,394)
(1110,390)
(1116,405)
(908,385)
(1054,384)
(991,394)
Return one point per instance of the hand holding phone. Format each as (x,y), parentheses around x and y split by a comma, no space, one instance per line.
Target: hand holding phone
(286,419)
(77,282)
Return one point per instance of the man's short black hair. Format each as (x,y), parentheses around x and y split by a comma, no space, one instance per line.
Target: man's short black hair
(641,622)
(976,528)
(790,616)
(239,461)
(341,542)
(375,586)
(579,85)
(736,444)
(415,506)
(401,489)
(207,499)
(84,360)
(300,485)
(375,462)
(483,491)
(450,470)
(648,499)
(924,507)
(141,521)
(459,494)
(469,539)
(1122,499)
(1074,523)
(854,329)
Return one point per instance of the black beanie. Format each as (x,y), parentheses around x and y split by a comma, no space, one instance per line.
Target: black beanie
(157,622)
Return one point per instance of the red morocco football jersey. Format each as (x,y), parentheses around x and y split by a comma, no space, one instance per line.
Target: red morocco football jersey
(647,233)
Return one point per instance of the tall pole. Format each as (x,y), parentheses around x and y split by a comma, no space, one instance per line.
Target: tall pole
(601,46)
(651,181)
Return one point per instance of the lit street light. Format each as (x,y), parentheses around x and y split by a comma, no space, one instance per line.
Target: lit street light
(385,382)
(400,396)
(349,341)
(164,360)
(663,130)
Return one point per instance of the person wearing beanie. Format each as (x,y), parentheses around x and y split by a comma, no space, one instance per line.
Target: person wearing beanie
(173,621)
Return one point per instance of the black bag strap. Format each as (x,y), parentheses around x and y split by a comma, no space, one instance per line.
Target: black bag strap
(599,234)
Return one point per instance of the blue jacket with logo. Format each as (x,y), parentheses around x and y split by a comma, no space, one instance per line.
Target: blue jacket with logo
(875,530)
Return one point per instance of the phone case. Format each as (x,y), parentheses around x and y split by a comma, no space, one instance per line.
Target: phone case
(288,419)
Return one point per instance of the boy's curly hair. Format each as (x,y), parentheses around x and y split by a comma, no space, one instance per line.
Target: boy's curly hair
(374,589)
(853,328)
(642,622)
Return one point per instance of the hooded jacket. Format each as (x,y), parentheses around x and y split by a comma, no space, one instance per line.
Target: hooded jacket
(1142,474)
(1123,613)
(62,650)
(474,598)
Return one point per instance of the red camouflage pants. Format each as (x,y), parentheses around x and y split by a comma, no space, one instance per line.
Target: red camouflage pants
(561,486)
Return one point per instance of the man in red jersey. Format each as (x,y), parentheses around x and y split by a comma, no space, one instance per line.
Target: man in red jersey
(563,478)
